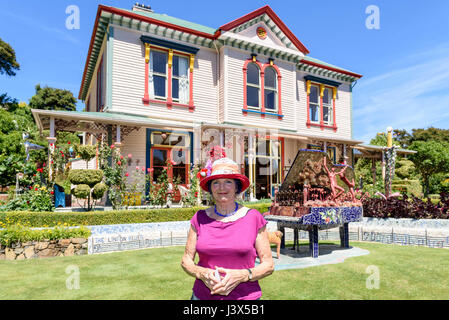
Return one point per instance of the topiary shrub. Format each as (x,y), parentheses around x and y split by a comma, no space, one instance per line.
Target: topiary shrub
(86,152)
(88,185)
(82,176)
(81,191)
(98,190)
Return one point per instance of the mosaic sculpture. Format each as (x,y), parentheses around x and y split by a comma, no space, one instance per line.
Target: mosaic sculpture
(316,195)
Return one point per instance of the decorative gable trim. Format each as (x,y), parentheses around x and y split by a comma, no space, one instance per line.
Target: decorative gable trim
(267,15)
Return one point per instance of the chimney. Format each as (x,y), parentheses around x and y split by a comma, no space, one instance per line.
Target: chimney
(142,8)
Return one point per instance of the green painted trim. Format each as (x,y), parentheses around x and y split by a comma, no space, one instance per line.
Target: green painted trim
(110,55)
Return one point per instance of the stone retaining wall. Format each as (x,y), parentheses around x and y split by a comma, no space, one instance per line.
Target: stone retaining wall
(44,249)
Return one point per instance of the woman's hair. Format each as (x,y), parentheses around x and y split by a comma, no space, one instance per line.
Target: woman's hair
(238,185)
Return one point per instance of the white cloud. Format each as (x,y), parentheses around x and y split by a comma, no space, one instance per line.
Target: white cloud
(59,33)
(413,95)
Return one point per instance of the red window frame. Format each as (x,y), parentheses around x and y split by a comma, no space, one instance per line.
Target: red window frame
(262,68)
(321,125)
(169,101)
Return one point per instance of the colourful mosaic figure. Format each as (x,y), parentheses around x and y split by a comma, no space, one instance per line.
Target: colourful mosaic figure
(333,180)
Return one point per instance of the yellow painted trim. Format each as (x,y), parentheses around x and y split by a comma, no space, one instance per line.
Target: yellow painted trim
(308,84)
(334,90)
(170,57)
(192,61)
(322,90)
(147,52)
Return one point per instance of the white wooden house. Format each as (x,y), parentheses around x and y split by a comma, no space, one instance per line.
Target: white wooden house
(166,88)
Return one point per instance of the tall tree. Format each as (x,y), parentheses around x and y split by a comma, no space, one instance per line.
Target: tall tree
(8,63)
(48,98)
(431,133)
(432,157)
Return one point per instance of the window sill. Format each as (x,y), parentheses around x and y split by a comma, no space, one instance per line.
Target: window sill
(322,126)
(168,104)
(245,111)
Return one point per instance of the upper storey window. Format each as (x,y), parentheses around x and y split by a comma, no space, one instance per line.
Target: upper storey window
(261,88)
(253,86)
(158,74)
(270,89)
(168,72)
(321,98)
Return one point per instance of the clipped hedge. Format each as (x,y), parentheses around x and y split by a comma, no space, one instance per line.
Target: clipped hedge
(17,234)
(51,219)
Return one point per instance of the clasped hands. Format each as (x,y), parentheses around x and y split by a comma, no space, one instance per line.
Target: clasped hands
(223,286)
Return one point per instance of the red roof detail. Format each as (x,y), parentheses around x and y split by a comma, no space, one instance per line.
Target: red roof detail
(266,9)
(352,74)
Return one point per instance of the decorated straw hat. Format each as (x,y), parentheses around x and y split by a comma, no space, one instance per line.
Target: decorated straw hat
(225,168)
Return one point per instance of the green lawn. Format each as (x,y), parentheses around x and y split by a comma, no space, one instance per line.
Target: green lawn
(406,272)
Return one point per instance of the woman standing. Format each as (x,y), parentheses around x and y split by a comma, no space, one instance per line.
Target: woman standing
(227,237)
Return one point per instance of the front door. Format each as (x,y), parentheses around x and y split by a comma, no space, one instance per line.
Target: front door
(178,170)
(264,172)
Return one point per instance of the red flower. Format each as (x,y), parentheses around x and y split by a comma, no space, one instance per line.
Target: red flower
(127,174)
(150,169)
(112,146)
(35,189)
(121,157)
(52,192)
(119,163)
(68,142)
(130,155)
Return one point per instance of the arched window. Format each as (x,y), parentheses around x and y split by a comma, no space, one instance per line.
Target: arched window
(261,88)
(253,86)
(270,89)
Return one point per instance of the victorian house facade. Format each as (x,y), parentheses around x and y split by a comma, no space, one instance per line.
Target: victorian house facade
(165,88)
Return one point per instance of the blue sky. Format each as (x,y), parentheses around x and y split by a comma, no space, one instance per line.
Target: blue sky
(404,63)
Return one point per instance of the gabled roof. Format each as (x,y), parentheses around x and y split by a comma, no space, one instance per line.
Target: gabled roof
(197,34)
(273,16)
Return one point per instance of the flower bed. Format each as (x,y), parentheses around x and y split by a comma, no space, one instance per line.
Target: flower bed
(406,207)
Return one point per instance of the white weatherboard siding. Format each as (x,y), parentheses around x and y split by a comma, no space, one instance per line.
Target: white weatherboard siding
(234,74)
(342,111)
(128,82)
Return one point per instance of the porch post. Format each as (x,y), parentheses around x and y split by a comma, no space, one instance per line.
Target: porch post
(51,147)
(383,165)
(197,157)
(373,170)
(118,144)
(251,165)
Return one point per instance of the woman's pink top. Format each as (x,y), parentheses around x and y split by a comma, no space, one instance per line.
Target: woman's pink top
(230,245)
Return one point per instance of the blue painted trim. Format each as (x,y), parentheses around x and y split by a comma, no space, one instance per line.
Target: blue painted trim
(323,81)
(169,44)
(313,150)
(260,112)
(335,154)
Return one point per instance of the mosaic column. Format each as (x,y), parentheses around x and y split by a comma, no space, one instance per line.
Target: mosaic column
(313,242)
(344,236)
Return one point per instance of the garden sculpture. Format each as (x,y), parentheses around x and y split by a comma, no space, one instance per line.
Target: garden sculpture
(315,196)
